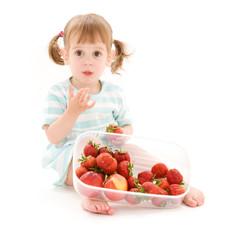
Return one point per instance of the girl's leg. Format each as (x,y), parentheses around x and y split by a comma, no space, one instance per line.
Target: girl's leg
(89,204)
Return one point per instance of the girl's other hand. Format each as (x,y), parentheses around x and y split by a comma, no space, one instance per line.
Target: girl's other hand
(79,102)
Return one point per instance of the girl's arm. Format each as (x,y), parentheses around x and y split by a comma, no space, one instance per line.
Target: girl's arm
(77,104)
(127,129)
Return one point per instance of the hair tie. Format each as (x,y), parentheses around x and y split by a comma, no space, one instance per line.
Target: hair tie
(61,34)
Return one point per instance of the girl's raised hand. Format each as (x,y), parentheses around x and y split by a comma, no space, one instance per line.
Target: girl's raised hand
(79,102)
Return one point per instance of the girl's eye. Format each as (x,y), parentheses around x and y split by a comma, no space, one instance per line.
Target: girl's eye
(97,54)
(79,53)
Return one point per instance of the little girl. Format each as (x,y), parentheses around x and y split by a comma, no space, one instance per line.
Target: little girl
(84,102)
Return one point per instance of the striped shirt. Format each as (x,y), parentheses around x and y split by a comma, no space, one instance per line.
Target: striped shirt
(110,107)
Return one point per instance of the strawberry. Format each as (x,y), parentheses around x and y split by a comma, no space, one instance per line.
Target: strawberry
(105,149)
(93,179)
(91,149)
(132,199)
(162,183)
(112,128)
(145,176)
(121,156)
(133,182)
(174,176)
(80,171)
(150,187)
(162,191)
(160,170)
(124,168)
(160,201)
(106,162)
(102,175)
(176,189)
(88,162)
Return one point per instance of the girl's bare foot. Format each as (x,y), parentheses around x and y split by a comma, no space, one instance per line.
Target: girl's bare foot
(194,197)
(96,206)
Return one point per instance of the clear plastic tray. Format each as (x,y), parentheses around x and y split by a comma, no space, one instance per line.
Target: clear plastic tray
(144,154)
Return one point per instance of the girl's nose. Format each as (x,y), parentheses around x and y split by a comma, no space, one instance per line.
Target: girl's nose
(88,61)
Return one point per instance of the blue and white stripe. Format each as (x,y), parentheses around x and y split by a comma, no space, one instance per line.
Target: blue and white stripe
(110,107)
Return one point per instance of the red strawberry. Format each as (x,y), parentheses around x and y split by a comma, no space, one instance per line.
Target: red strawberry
(121,156)
(91,149)
(150,187)
(162,191)
(145,176)
(133,182)
(102,175)
(174,176)
(105,149)
(160,170)
(93,179)
(162,183)
(112,128)
(106,162)
(80,171)
(88,162)
(124,168)
(176,189)
(160,201)
(132,199)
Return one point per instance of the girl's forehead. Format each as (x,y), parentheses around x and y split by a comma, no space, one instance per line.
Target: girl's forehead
(86,41)
(88,45)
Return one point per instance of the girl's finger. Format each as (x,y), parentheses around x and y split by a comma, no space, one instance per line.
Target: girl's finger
(86,100)
(91,105)
(83,94)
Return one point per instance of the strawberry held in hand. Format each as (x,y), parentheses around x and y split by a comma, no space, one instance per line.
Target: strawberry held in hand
(91,149)
(112,128)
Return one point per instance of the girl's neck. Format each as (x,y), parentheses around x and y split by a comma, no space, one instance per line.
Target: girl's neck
(94,88)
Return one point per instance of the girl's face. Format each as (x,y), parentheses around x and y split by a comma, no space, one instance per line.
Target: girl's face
(87,60)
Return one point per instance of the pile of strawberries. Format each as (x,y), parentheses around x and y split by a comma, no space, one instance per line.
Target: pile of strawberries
(104,167)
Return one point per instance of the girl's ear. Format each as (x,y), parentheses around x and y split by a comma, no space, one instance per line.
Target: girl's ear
(64,55)
(110,57)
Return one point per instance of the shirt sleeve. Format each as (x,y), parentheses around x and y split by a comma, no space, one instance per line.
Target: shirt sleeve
(54,106)
(122,114)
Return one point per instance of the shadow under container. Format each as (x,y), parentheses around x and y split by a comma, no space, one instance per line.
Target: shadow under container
(144,154)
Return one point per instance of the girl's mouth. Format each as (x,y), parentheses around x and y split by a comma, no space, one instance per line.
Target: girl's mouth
(87,73)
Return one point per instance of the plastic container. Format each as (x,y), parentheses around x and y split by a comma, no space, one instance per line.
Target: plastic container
(144,154)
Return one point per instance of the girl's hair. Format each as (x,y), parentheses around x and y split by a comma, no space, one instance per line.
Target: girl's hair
(89,27)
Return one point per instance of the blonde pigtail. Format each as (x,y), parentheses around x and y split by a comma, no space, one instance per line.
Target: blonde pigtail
(54,51)
(120,55)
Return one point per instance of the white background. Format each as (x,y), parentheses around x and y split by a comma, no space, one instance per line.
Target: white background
(176,86)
